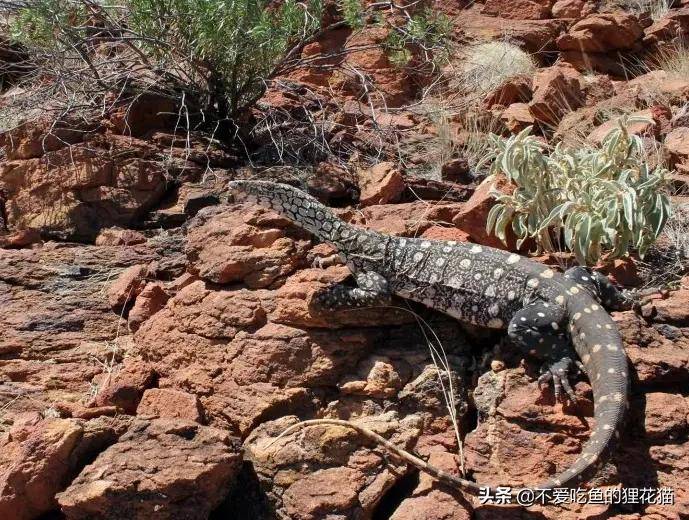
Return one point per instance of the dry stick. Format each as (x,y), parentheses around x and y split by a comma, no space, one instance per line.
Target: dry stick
(418,463)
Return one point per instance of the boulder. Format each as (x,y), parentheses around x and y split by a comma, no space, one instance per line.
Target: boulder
(518,9)
(471,219)
(119,237)
(150,300)
(575,9)
(159,469)
(677,145)
(125,388)
(380,184)
(602,32)
(517,117)
(34,465)
(534,36)
(172,404)
(123,292)
(244,243)
(514,90)
(556,91)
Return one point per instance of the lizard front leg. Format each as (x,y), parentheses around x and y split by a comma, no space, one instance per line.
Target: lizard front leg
(600,287)
(539,329)
(372,291)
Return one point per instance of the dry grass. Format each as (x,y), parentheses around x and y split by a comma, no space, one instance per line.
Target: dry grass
(657,9)
(674,60)
(668,259)
(483,67)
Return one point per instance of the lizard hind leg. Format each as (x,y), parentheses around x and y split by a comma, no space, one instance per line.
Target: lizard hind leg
(372,291)
(538,329)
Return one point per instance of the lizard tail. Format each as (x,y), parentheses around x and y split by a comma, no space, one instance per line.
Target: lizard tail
(299,207)
(599,346)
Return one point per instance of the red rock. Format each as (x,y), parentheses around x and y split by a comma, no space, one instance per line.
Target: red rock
(446,233)
(244,243)
(334,490)
(84,187)
(556,91)
(326,471)
(602,32)
(644,128)
(517,117)
(534,437)
(380,184)
(32,140)
(436,505)
(623,271)
(366,54)
(119,237)
(408,219)
(673,88)
(665,416)
(518,9)
(143,114)
(456,170)
(587,62)
(569,9)
(376,376)
(673,309)
(677,145)
(150,300)
(533,35)
(165,468)
(673,25)
(514,90)
(163,402)
(332,182)
(20,239)
(471,219)
(125,388)
(660,355)
(123,292)
(293,303)
(431,501)
(35,466)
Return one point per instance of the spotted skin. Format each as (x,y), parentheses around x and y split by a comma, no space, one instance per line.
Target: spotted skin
(552,316)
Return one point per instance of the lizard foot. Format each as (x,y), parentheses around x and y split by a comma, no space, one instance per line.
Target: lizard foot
(323,262)
(559,374)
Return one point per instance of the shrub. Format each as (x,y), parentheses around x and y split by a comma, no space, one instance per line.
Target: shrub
(215,58)
(217,52)
(597,200)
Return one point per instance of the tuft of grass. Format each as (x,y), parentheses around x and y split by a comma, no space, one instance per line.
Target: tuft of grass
(486,66)
(674,60)
(656,9)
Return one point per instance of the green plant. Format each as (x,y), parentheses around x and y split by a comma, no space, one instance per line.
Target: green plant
(219,52)
(427,31)
(597,200)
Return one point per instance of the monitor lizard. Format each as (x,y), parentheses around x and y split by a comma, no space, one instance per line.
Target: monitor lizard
(551,316)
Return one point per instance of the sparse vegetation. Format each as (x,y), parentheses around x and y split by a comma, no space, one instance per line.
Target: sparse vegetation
(656,9)
(673,59)
(667,261)
(486,66)
(594,200)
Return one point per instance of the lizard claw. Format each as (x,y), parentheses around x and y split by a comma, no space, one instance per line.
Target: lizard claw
(559,373)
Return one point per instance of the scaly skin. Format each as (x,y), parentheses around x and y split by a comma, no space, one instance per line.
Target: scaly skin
(543,311)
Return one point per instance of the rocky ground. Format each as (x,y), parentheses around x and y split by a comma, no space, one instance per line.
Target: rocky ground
(157,337)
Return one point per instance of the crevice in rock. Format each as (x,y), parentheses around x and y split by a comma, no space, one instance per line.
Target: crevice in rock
(246,500)
(401,490)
